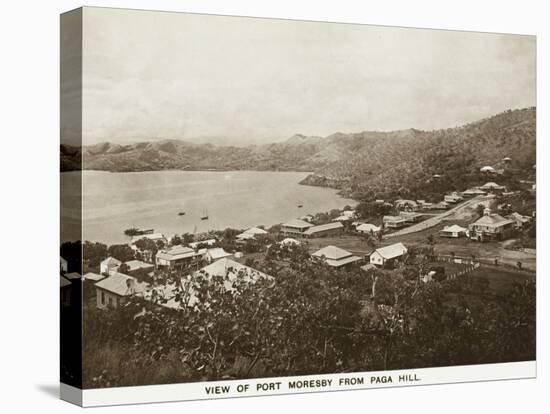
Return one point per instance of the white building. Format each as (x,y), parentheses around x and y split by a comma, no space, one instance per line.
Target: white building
(109,265)
(368,228)
(454,231)
(389,254)
(175,256)
(251,233)
(113,290)
(217,253)
(335,256)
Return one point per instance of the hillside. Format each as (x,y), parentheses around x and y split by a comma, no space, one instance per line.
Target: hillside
(362,165)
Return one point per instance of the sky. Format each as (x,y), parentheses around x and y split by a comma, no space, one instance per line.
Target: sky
(158,75)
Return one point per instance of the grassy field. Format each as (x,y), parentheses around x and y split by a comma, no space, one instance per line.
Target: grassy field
(501,279)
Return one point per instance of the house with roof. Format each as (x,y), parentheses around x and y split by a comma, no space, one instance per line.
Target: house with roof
(323,230)
(487,169)
(492,187)
(216,253)
(343,218)
(453,231)
(109,265)
(519,219)
(116,288)
(93,277)
(452,198)
(411,216)
(65,292)
(491,227)
(473,192)
(251,234)
(406,205)
(133,266)
(176,256)
(195,245)
(295,227)
(335,256)
(394,222)
(389,255)
(368,228)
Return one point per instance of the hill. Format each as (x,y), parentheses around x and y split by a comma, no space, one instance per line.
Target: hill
(362,165)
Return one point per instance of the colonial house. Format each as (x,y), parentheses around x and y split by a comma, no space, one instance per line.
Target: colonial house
(322,230)
(251,233)
(394,222)
(335,257)
(491,227)
(195,245)
(109,265)
(492,187)
(411,216)
(473,192)
(65,293)
(406,205)
(216,253)
(454,231)
(368,228)
(519,219)
(452,198)
(295,227)
(133,266)
(388,255)
(113,290)
(176,256)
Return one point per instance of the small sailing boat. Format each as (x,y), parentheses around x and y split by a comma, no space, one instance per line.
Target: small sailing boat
(204,215)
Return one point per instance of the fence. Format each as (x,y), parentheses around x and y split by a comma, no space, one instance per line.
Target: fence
(476,262)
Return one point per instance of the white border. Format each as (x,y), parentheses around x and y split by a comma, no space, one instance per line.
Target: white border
(249,388)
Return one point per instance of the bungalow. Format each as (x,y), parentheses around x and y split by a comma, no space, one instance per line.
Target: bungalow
(367,228)
(295,227)
(137,265)
(335,257)
(406,205)
(472,192)
(109,265)
(453,231)
(452,198)
(251,233)
(176,256)
(492,187)
(195,245)
(410,216)
(491,227)
(329,229)
(65,293)
(217,253)
(394,222)
(113,290)
(388,255)
(519,219)
(63,265)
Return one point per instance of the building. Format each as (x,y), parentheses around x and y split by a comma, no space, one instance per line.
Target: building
(217,253)
(307,217)
(389,255)
(491,227)
(137,265)
(452,198)
(295,227)
(109,265)
(251,234)
(323,230)
(335,257)
(488,170)
(209,243)
(343,218)
(492,187)
(176,256)
(454,231)
(156,237)
(367,228)
(63,265)
(411,216)
(65,292)
(473,192)
(289,242)
(93,277)
(406,205)
(442,205)
(114,289)
(519,219)
(394,222)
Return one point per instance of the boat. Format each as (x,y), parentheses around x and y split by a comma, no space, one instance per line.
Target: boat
(204,215)
(181,213)
(300,205)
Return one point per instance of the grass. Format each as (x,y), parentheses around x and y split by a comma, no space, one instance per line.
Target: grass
(501,280)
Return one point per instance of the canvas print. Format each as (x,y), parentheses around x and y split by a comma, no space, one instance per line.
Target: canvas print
(246,198)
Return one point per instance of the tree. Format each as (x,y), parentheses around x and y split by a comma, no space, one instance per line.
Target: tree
(122,252)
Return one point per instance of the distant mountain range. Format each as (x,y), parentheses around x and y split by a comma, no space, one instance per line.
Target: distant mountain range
(360,164)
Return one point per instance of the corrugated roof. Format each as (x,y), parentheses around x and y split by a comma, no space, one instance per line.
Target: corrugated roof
(121,284)
(176,253)
(137,264)
(332,252)
(392,251)
(368,227)
(94,277)
(493,220)
(111,261)
(297,223)
(217,253)
(323,227)
(455,228)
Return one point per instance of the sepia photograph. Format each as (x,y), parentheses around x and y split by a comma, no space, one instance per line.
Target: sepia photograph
(247,198)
